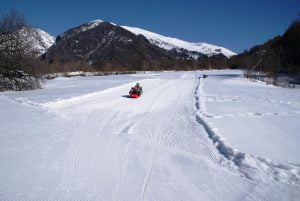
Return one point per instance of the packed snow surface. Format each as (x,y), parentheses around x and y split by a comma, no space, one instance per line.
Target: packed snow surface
(218,138)
(169,43)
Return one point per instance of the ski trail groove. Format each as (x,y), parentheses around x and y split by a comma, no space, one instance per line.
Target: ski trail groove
(148,175)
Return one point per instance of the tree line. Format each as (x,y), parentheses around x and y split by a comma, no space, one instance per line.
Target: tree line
(278,57)
(19,68)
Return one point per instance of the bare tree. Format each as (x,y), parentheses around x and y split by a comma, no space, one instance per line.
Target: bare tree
(17,66)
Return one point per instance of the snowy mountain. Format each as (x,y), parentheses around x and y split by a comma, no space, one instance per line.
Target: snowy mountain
(169,43)
(38,40)
(161,41)
(194,50)
(104,45)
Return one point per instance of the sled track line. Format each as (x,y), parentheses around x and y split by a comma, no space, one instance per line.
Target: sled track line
(147,176)
(75,146)
(122,159)
(257,100)
(64,175)
(123,169)
(251,115)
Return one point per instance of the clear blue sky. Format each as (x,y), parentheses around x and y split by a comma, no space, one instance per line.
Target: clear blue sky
(234,24)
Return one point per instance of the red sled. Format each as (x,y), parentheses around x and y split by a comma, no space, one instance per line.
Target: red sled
(132,95)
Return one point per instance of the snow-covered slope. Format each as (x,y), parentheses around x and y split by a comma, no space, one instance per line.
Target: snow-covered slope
(38,40)
(161,41)
(104,45)
(169,43)
(221,138)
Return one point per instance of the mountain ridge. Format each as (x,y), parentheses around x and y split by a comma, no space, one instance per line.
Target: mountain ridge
(107,46)
(170,43)
(164,42)
(103,45)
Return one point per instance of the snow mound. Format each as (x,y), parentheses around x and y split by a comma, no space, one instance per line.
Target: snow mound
(169,43)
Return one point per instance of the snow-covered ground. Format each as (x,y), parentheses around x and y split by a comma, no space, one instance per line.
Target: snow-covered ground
(219,138)
(253,117)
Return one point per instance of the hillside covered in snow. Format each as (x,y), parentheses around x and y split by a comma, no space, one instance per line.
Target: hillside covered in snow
(38,40)
(105,45)
(169,43)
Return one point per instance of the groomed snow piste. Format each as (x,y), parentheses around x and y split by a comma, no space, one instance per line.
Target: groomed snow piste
(219,138)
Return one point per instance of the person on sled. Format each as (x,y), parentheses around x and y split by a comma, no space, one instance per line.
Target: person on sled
(137,89)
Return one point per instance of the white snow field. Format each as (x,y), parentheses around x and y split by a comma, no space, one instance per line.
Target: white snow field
(219,138)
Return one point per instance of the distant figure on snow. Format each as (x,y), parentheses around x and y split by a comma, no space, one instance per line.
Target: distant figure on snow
(137,89)
(204,76)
